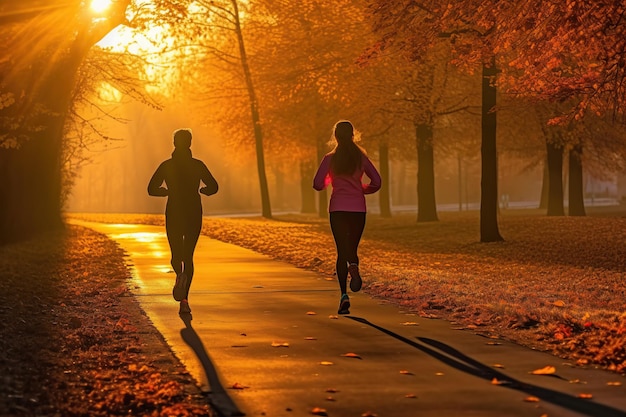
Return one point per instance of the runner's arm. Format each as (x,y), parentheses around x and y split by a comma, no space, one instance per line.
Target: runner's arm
(209,181)
(155,185)
(322,177)
(373,175)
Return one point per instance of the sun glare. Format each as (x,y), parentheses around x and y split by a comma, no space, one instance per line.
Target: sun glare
(100,6)
(147,43)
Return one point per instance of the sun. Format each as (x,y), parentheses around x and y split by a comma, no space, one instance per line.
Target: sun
(100,6)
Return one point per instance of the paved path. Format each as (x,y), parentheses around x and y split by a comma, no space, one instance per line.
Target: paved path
(271,328)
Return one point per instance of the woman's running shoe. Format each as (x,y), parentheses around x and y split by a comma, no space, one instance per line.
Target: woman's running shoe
(180,288)
(355,277)
(344,305)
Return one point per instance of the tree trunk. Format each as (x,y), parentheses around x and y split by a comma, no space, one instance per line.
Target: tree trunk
(31,186)
(576,187)
(489,231)
(307,193)
(266,210)
(384,193)
(555,180)
(459,170)
(426,203)
(545,187)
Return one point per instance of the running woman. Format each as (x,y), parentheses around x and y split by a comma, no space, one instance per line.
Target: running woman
(183,213)
(343,169)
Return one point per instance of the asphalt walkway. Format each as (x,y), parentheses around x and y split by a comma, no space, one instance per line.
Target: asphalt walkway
(264,340)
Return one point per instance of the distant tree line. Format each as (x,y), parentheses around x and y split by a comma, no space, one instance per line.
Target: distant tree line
(419,78)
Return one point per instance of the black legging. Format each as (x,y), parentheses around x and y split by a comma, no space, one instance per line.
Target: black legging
(347,228)
(183,230)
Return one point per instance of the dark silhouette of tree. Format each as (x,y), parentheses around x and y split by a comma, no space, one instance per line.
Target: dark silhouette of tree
(555,178)
(576,206)
(415,27)
(45,45)
(489,231)
(426,204)
(385,173)
(215,34)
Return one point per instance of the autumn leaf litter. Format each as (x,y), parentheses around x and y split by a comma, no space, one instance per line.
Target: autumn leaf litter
(73,339)
(73,342)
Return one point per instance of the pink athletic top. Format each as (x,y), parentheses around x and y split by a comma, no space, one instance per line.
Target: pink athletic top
(348,191)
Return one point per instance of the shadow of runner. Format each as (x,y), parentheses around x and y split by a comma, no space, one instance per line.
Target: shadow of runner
(218,396)
(457,360)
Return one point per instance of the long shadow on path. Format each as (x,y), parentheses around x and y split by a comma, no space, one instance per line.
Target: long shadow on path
(452,357)
(218,396)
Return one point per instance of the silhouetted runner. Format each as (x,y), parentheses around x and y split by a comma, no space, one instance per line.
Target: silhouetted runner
(183,214)
(343,168)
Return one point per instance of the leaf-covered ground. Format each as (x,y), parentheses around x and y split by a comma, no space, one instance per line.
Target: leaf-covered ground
(555,283)
(73,342)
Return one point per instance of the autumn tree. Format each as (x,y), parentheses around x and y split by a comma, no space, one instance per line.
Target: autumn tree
(302,56)
(217,34)
(425,93)
(45,44)
(414,27)
(570,54)
(571,50)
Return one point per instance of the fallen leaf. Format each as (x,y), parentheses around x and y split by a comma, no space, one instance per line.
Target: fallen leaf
(237,385)
(531,399)
(351,355)
(280,344)
(403,372)
(410,323)
(496,381)
(439,374)
(311,313)
(317,411)
(559,303)
(497,365)
(332,390)
(576,381)
(493,343)
(585,396)
(310,338)
(410,396)
(547,370)
(326,363)
(333,317)
(614,383)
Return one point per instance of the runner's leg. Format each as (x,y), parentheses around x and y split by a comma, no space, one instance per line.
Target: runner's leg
(340,229)
(192,233)
(356,224)
(176,241)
